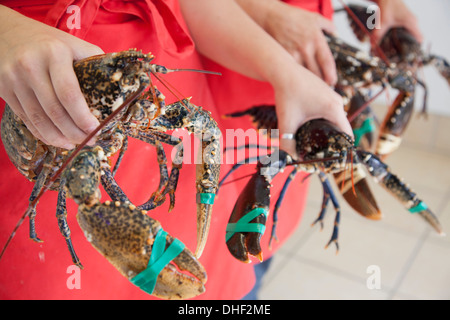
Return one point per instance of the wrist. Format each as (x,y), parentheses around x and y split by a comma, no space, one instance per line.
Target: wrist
(261,11)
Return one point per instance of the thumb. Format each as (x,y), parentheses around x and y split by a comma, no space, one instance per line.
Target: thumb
(326,24)
(85,49)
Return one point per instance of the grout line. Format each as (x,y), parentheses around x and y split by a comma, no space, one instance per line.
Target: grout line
(287,255)
(337,272)
(415,252)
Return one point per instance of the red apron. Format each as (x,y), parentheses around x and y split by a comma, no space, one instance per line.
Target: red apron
(31,270)
(234,92)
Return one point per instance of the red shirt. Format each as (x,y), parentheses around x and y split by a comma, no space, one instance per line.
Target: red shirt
(234,92)
(31,270)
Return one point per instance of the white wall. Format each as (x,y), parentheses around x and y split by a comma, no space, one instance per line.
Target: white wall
(434,22)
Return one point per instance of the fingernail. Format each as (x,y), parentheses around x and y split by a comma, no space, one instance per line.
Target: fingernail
(93,128)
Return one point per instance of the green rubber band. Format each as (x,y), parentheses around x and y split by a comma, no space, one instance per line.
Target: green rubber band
(244,225)
(420,207)
(367,126)
(206,198)
(159,258)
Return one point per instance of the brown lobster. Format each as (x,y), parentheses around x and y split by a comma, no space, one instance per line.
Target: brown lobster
(322,149)
(113,85)
(401,51)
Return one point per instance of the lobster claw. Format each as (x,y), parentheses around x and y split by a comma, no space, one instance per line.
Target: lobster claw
(248,218)
(141,251)
(395,123)
(396,187)
(357,193)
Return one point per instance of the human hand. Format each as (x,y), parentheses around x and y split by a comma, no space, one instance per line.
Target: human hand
(394,13)
(304,97)
(300,33)
(38,82)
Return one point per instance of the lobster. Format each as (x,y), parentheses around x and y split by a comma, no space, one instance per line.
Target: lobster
(323,149)
(113,85)
(357,73)
(399,49)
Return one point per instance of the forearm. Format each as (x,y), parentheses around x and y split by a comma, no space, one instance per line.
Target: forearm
(260,10)
(224,33)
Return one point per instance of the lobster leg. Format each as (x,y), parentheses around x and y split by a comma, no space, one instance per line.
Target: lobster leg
(38,186)
(61,215)
(171,184)
(166,183)
(442,66)
(328,194)
(395,186)
(111,187)
(279,201)
(121,154)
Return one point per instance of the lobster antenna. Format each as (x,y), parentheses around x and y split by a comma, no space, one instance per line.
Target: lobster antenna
(196,70)
(237,179)
(171,89)
(68,160)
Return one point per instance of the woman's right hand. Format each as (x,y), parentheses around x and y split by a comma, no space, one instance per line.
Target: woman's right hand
(38,82)
(302,96)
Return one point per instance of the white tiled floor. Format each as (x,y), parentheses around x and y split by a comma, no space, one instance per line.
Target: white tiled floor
(414,262)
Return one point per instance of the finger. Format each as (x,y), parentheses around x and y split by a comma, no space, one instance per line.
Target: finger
(310,61)
(342,122)
(326,24)
(326,62)
(18,111)
(415,31)
(85,49)
(339,118)
(39,119)
(56,112)
(289,125)
(68,91)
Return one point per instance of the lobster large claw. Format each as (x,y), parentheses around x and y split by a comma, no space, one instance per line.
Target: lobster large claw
(141,251)
(184,114)
(356,191)
(394,124)
(248,218)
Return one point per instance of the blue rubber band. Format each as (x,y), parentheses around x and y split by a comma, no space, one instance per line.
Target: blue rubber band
(367,126)
(159,258)
(419,207)
(244,225)
(206,198)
